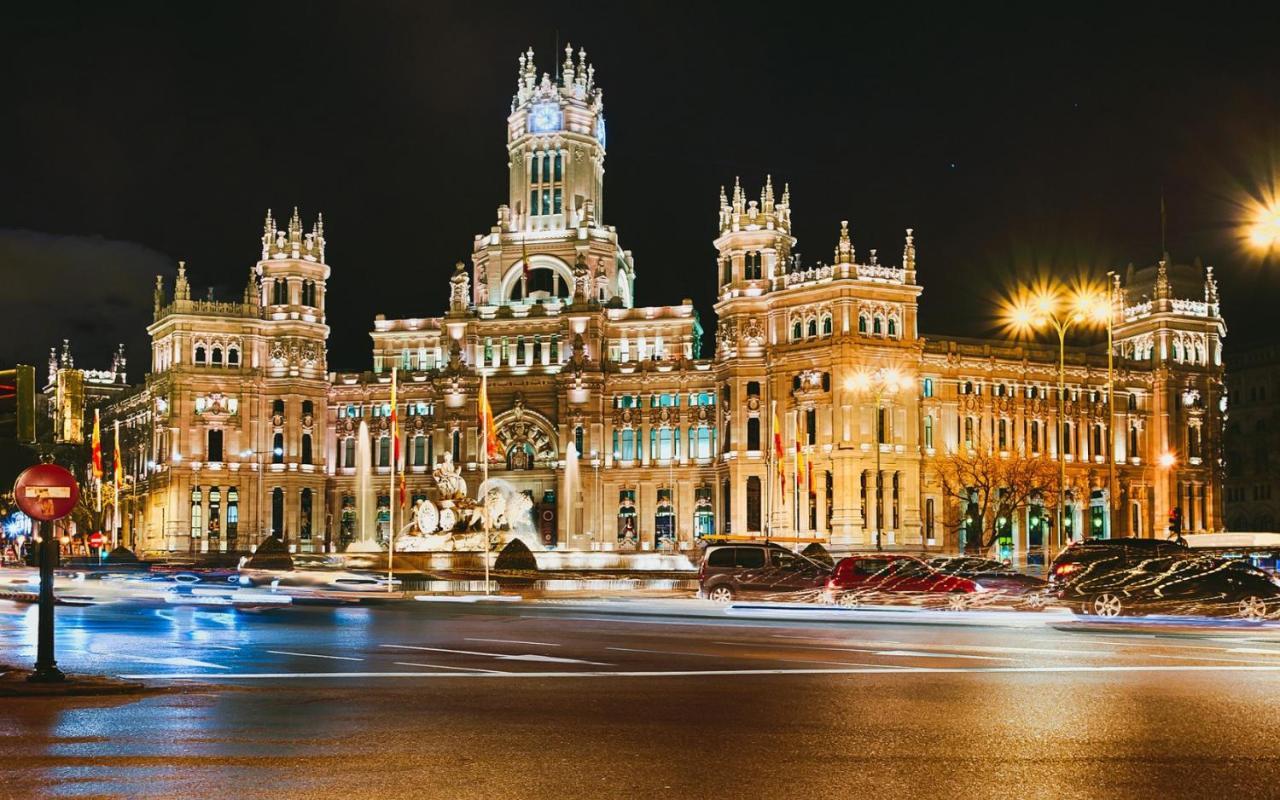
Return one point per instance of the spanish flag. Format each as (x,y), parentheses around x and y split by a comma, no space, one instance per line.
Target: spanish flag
(777,451)
(488,428)
(97,448)
(117,468)
(800,469)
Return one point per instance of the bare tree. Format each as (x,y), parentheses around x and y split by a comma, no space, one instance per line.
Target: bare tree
(998,487)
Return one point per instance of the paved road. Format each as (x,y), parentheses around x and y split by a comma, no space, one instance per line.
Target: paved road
(430,700)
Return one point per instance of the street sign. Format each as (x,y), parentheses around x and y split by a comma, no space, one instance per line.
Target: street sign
(96,539)
(46,492)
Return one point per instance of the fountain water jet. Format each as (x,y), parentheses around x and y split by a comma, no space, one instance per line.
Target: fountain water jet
(366,541)
(570,489)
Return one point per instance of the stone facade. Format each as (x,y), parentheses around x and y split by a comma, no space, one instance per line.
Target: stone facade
(1252,483)
(672,444)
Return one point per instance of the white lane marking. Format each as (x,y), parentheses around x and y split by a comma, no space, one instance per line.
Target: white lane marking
(499,656)
(875,649)
(313,655)
(1261,651)
(660,652)
(1207,658)
(709,673)
(172,662)
(218,646)
(917,654)
(460,669)
(621,618)
(513,641)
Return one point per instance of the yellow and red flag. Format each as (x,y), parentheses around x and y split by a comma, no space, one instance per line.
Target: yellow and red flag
(487,427)
(97,448)
(117,468)
(777,451)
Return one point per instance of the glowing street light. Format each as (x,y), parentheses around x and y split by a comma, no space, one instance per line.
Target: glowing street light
(1168,460)
(1263,229)
(878,383)
(1032,310)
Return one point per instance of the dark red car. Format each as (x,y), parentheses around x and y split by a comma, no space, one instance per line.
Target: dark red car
(883,578)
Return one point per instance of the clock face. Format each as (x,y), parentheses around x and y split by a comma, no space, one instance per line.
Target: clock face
(544,117)
(600,129)
(447,519)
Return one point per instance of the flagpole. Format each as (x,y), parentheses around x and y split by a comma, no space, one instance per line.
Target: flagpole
(391,489)
(485,411)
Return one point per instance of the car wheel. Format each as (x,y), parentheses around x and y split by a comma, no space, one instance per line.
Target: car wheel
(848,600)
(721,594)
(957,601)
(1253,607)
(1107,605)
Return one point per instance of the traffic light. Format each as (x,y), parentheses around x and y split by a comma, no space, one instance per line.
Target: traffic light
(19,385)
(1175,520)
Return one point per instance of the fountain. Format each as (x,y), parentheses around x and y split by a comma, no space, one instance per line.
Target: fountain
(366,541)
(570,489)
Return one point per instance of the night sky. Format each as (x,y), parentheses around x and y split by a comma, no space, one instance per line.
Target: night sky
(139,134)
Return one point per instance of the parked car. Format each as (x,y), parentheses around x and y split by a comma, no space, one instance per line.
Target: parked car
(745,569)
(1000,579)
(887,578)
(1178,585)
(1093,557)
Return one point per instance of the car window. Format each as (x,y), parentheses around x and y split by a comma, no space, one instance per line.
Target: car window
(910,569)
(721,557)
(750,557)
(869,566)
(786,560)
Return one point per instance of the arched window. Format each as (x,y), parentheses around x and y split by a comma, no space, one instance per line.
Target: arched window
(277,406)
(813,328)
(877,325)
(306,448)
(277,513)
(893,326)
(304,515)
(280,291)
(826,325)
(927,387)
(217,357)
(862,323)
(277,448)
(200,354)
(579,439)
(233,357)
(796,331)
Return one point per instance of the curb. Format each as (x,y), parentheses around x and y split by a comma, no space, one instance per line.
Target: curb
(13,684)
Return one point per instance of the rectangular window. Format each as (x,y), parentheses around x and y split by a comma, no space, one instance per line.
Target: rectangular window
(215,446)
(419,450)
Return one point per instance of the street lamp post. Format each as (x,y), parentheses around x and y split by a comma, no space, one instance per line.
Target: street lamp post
(876,384)
(1046,309)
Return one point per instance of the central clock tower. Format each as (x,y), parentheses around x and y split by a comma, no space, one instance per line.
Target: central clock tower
(555,146)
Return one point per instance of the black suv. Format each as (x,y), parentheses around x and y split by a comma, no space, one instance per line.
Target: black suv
(1093,557)
(745,569)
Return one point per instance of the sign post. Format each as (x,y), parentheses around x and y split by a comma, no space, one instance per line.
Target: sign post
(46,492)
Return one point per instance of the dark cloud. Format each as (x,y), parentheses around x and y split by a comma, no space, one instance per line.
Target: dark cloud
(92,290)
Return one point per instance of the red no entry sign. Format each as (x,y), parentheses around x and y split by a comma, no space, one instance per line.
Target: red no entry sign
(46,492)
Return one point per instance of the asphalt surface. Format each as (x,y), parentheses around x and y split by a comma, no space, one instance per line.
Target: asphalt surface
(658,699)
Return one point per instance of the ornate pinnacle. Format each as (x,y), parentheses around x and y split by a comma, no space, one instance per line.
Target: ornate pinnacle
(909,251)
(786,194)
(269,226)
(724,201)
(568,77)
(766,195)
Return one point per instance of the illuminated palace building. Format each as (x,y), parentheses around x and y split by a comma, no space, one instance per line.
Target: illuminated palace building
(241,430)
